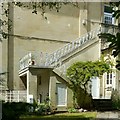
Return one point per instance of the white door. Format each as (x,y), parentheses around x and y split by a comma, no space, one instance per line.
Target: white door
(61,94)
(95,87)
(109,84)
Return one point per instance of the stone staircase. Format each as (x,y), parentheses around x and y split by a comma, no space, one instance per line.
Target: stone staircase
(56,57)
(102,104)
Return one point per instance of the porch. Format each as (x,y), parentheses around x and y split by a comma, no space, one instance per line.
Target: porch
(35,80)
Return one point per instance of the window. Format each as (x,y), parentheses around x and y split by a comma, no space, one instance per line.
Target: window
(107,9)
(108,19)
(109,78)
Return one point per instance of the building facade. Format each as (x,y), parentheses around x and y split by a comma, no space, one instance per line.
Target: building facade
(40,49)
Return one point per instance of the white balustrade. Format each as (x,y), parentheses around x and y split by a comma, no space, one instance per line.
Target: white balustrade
(15,96)
(109,29)
(58,54)
(38,59)
(54,58)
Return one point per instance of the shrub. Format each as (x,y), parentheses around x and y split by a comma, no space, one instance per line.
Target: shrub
(72,110)
(43,108)
(12,111)
(115,99)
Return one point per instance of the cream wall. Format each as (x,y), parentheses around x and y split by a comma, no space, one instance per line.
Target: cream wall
(61,26)
(0,57)
(88,52)
(55,79)
(50,34)
(23,47)
(90,16)
(43,89)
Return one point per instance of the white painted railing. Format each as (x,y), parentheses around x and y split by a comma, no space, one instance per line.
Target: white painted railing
(14,96)
(106,28)
(33,58)
(24,62)
(52,59)
(58,54)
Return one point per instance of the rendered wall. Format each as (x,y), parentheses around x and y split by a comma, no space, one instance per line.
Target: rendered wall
(49,35)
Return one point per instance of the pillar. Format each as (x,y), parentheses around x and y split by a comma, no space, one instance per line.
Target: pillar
(52,90)
(31,86)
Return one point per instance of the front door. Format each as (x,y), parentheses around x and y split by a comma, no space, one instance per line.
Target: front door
(109,84)
(61,94)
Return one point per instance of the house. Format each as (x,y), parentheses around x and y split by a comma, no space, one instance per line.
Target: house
(40,49)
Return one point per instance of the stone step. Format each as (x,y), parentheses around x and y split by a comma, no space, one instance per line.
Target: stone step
(103,104)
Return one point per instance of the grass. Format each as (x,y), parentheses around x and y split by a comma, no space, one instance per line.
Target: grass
(63,116)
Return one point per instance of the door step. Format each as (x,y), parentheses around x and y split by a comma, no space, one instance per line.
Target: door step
(102,104)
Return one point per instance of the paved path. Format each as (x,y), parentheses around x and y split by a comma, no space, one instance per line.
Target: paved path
(108,115)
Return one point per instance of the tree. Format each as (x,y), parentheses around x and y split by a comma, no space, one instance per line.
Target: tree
(80,74)
(114,39)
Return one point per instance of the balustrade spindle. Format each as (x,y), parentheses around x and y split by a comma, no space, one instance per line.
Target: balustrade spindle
(69,45)
(72,46)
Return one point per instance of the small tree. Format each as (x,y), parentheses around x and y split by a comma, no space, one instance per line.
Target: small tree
(80,74)
(114,39)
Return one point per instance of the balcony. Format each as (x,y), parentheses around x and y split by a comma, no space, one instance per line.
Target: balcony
(107,28)
(32,59)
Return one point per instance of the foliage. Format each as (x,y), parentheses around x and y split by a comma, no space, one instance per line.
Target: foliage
(44,6)
(72,110)
(12,111)
(116,13)
(80,74)
(43,109)
(115,39)
(115,99)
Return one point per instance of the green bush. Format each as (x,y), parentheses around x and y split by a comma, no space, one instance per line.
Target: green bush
(43,108)
(72,110)
(12,111)
(115,100)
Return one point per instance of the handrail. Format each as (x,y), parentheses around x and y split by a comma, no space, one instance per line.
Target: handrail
(51,60)
(58,54)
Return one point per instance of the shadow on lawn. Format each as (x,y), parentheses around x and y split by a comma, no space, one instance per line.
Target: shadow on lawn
(80,117)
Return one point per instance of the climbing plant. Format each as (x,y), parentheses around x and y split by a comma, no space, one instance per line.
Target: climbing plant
(114,40)
(80,74)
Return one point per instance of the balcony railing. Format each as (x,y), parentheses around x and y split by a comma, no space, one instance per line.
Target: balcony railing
(34,58)
(109,28)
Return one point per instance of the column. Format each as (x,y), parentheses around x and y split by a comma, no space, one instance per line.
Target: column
(52,89)
(31,87)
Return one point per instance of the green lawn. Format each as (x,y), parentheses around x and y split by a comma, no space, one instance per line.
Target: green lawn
(63,116)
